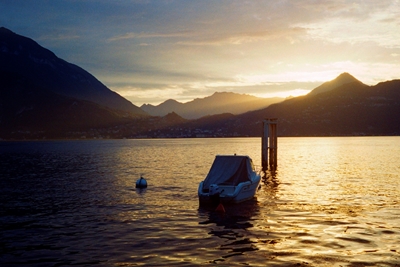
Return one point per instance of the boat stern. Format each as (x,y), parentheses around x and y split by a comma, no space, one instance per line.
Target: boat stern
(203,196)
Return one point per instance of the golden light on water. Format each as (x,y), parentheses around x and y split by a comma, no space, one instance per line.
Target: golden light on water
(325,204)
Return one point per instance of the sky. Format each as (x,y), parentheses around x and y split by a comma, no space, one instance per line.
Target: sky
(150,51)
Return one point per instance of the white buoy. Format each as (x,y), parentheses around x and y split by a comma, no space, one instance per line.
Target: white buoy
(141,183)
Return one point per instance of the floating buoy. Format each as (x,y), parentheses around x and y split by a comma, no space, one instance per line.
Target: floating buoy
(220,208)
(141,183)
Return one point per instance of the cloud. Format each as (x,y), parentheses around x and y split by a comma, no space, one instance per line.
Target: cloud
(356,10)
(354,22)
(132,35)
(240,38)
(59,37)
(237,47)
(152,50)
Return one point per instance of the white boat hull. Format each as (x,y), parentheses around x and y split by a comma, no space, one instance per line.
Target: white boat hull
(232,194)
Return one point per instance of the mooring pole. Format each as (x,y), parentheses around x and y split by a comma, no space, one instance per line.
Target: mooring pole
(273,146)
(269,144)
(264,145)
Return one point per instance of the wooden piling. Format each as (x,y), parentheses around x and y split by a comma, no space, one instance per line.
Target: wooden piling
(269,145)
(265,145)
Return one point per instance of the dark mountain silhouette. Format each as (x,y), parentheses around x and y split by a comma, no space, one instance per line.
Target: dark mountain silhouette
(44,96)
(27,110)
(42,69)
(352,108)
(219,102)
(162,109)
(338,81)
(173,119)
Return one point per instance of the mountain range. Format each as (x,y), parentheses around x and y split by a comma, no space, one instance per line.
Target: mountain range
(348,108)
(341,107)
(228,102)
(43,96)
(219,102)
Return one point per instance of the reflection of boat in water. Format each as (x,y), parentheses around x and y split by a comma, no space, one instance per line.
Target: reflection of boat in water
(231,179)
(234,230)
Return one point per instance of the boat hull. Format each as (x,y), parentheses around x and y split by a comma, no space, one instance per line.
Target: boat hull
(231,194)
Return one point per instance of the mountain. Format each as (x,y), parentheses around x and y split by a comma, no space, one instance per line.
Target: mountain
(30,111)
(172,119)
(338,81)
(162,109)
(26,59)
(351,108)
(219,102)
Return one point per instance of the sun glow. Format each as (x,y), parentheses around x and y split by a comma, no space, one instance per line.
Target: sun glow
(147,97)
(285,94)
(299,76)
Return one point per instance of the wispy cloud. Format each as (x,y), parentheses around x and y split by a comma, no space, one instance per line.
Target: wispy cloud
(133,35)
(59,37)
(181,49)
(239,38)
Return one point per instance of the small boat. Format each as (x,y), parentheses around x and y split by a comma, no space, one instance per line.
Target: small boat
(231,179)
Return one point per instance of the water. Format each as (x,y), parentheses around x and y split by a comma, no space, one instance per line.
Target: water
(332,202)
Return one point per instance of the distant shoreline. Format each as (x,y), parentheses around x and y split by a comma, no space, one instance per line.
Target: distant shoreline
(168,138)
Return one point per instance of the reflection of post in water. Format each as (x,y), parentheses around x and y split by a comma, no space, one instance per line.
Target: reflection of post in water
(269,145)
(271,182)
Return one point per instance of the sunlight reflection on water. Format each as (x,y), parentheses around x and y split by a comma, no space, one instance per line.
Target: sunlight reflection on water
(332,202)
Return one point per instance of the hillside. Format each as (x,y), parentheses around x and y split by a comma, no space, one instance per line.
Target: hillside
(29,111)
(42,95)
(342,79)
(218,103)
(350,109)
(25,58)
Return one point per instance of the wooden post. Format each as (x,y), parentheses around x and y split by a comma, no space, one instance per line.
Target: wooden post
(273,146)
(264,145)
(269,143)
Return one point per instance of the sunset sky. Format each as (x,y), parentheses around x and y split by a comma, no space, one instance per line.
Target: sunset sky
(153,50)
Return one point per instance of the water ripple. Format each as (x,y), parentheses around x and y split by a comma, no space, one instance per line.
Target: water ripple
(75,203)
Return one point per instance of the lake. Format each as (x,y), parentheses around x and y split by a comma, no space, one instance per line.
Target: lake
(333,201)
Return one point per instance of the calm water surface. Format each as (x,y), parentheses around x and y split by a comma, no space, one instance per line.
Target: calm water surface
(332,202)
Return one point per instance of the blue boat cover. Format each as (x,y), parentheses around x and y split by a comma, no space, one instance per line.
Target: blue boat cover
(229,170)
